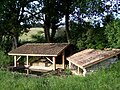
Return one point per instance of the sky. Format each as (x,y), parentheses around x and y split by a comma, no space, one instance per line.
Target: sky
(96,18)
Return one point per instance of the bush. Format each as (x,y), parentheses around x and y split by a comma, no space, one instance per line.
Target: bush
(4,60)
(86,36)
(39,37)
(112,32)
(92,38)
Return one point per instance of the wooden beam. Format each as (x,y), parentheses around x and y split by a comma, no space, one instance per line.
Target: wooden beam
(15,61)
(63,60)
(49,59)
(18,58)
(54,63)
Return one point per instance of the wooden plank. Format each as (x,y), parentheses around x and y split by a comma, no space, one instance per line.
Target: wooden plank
(54,63)
(63,60)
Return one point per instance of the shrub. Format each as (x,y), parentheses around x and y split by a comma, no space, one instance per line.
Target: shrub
(39,37)
(112,32)
(4,60)
(87,36)
(92,38)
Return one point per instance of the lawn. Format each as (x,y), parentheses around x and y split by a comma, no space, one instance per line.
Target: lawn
(104,79)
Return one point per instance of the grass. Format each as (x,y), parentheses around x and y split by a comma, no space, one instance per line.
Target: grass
(104,79)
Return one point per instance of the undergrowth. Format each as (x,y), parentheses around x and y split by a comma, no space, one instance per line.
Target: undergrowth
(104,79)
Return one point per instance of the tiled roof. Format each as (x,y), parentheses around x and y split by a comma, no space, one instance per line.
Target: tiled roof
(39,49)
(89,57)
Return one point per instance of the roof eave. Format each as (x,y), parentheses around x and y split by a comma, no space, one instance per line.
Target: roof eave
(15,54)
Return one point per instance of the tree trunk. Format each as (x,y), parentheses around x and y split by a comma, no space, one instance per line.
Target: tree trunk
(0,38)
(14,42)
(47,28)
(53,32)
(67,26)
(47,33)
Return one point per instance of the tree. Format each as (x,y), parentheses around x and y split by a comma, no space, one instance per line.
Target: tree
(52,18)
(13,19)
(51,13)
(67,8)
(48,12)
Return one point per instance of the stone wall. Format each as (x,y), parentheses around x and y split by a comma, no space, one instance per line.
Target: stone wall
(103,64)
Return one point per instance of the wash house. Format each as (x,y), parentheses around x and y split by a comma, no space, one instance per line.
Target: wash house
(91,59)
(50,51)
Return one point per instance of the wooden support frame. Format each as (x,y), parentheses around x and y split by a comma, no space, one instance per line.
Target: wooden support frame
(54,63)
(49,59)
(63,60)
(18,58)
(15,60)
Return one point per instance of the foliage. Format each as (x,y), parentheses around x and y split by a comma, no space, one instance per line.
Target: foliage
(105,79)
(13,20)
(39,37)
(5,60)
(60,37)
(6,43)
(92,39)
(87,36)
(16,16)
(112,32)
(90,9)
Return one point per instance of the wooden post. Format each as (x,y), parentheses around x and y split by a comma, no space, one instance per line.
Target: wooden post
(27,71)
(63,60)
(15,59)
(27,61)
(54,63)
(78,70)
(69,65)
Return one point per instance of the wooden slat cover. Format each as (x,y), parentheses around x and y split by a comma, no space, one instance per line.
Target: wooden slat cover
(39,49)
(89,57)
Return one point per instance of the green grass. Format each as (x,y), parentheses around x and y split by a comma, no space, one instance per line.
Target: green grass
(108,79)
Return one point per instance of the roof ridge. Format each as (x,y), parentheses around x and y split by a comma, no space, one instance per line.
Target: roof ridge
(43,43)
